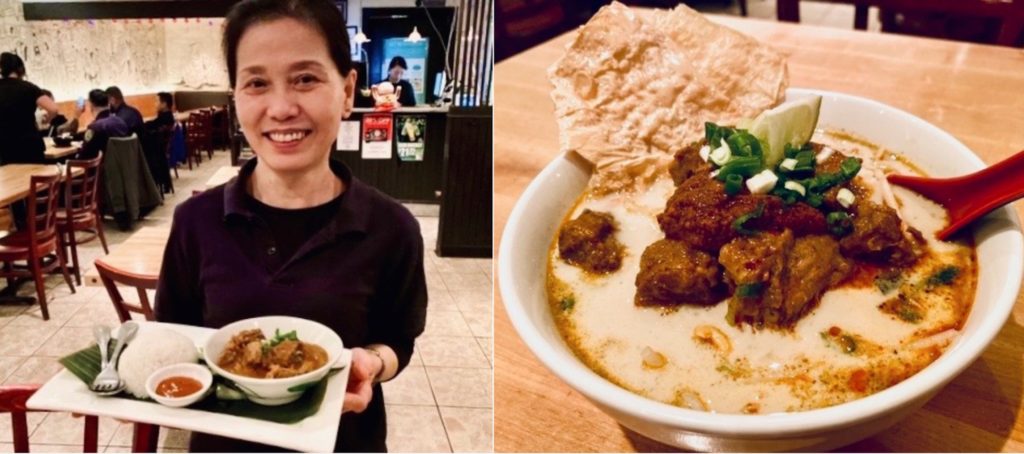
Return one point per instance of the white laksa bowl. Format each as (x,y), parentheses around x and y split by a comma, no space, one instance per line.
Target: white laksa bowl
(1000,250)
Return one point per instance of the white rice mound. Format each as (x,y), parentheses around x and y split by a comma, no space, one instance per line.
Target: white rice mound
(153,349)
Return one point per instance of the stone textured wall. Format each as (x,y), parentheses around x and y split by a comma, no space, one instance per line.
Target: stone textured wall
(140,56)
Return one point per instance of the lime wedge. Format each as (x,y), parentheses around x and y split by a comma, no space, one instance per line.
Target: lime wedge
(791,122)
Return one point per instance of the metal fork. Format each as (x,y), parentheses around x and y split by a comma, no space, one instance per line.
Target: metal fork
(108,382)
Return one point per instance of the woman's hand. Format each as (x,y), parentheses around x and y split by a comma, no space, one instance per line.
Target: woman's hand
(365,367)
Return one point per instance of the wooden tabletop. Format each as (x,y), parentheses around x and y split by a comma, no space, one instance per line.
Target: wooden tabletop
(141,254)
(221,176)
(14,180)
(974,92)
(54,152)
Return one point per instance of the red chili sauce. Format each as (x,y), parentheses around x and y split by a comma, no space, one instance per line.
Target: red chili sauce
(178,387)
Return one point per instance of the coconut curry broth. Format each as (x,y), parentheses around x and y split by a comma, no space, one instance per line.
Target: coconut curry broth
(874,329)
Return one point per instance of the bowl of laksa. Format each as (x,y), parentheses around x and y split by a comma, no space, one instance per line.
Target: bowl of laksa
(722,265)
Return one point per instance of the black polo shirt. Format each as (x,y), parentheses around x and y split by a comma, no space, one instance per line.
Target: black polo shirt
(361,275)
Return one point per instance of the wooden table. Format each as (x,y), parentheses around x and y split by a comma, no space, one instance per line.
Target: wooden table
(54,152)
(141,254)
(15,179)
(974,92)
(221,176)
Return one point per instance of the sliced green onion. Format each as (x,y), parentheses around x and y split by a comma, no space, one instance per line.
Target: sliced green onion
(737,225)
(850,167)
(814,199)
(714,134)
(733,184)
(743,143)
(805,157)
(790,152)
(839,223)
(745,166)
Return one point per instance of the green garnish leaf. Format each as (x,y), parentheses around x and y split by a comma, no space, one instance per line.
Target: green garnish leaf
(750,290)
(839,223)
(567,303)
(737,225)
(944,276)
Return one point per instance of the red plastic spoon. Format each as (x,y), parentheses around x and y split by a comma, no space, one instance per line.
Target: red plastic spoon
(971,196)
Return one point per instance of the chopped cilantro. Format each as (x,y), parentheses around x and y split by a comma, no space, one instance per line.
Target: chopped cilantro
(567,303)
(887,282)
(944,276)
(750,290)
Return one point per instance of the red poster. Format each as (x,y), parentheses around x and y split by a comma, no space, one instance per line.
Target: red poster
(377,136)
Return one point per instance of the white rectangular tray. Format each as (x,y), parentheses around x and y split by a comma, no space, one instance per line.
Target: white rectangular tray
(317,433)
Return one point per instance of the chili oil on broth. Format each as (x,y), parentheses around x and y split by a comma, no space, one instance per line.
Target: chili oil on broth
(846,348)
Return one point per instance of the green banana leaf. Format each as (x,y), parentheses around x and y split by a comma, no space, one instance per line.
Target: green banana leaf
(85,364)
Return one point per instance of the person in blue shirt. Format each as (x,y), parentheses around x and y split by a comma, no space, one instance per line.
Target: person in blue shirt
(129,114)
(103,128)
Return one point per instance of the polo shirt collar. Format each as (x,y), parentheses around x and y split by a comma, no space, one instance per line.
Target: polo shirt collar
(353,215)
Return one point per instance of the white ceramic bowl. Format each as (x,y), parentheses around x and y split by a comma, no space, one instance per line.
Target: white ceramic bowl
(1000,247)
(194,371)
(274,391)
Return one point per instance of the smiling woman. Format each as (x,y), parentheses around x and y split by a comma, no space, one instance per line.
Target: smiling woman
(295,234)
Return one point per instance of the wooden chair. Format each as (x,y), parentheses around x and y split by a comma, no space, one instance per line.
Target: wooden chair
(111,277)
(12,400)
(1000,22)
(81,209)
(206,119)
(195,140)
(14,397)
(167,139)
(38,240)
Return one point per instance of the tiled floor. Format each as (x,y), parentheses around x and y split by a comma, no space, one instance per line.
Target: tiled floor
(440,403)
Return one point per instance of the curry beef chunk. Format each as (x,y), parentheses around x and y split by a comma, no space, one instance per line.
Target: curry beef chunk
(784,276)
(672,273)
(589,242)
(688,163)
(700,214)
(878,237)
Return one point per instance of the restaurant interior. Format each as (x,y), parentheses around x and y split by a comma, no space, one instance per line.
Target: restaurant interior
(435,159)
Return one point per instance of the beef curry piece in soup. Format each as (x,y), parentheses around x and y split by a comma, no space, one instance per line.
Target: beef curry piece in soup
(249,353)
(767,302)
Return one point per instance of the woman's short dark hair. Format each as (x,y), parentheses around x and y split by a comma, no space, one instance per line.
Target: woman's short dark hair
(166,98)
(398,61)
(13,64)
(99,98)
(322,15)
